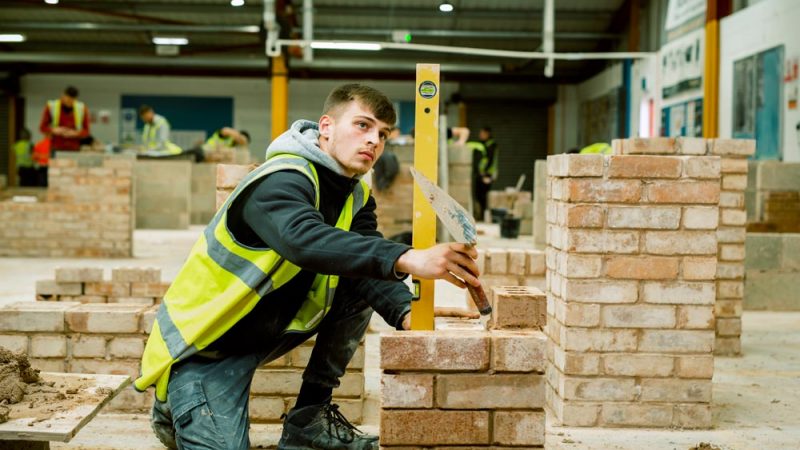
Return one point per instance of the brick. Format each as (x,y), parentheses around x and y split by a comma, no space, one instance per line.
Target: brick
(78,274)
(148,318)
(701,218)
(696,317)
(678,341)
(149,289)
(87,298)
(603,241)
(729,326)
(731,235)
(351,385)
(636,415)
(601,291)
(581,165)
(664,218)
(701,167)
(733,217)
(136,275)
(642,267)
(34,316)
(696,366)
(16,343)
(585,216)
(728,308)
(87,346)
(638,316)
(51,287)
(583,340)
(731,252)
(497,261)
(407,391)
(732,147)
(679,292)
(276,382)
(48,346)
(637,365)
(734,182)
(128,367)
(536,263)
(104,318)
(49,365)
(731,199)
(489,391)
(580,266)
(425,427)
(680,242)
(517,307)
(518,428)
(692,192)
(229,175)
(730,270)
(690,145)
(730,165)
(516,261)
(352,408)
(699,268)
(126,347)
(518,351)
(599,389)
(581,314)
(266,409)
(145,301)
(627,166)
(108,289)
(676,390)
(728,346)
(604,191)
(440,350)
(649,146)
(578,414)
(692,416)
(730,289)
(573,363)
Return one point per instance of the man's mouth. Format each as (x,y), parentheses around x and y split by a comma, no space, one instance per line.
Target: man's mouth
(367,155)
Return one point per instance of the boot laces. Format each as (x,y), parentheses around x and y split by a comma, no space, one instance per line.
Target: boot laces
(338,423)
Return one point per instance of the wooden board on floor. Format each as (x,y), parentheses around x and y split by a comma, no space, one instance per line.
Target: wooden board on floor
(63,425)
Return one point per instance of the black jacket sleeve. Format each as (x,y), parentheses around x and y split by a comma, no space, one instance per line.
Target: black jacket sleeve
(281,212)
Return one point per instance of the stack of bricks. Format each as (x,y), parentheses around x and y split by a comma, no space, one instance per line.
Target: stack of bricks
(88,213)
(510,267)
(472,388)
(731,222)
(631,269)
(130,285)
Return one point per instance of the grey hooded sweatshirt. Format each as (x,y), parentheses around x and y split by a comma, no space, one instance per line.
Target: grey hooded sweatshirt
(278,212)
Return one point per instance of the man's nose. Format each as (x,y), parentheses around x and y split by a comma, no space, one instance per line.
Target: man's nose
(373,136)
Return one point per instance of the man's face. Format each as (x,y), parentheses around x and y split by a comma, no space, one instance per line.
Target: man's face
(67,101)
(483,135)
(354,137)
(147,117)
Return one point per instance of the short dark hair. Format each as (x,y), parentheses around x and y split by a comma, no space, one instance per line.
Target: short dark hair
(245,134)
(373,99)
(487,129)
(145,109)
(71,91)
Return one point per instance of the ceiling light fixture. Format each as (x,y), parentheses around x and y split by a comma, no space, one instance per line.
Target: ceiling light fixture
(237,2)
(51,2)
(12,38)
(327,45)
(446,7)
(170,40)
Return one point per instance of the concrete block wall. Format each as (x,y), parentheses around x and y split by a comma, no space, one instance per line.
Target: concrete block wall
(88,213)
(732,219)
(128,285)
(203,199)
(465,387)
(773,272)
(163,194)
(631,269)
(773,190)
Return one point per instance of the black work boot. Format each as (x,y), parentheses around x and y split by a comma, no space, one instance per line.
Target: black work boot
(322,427)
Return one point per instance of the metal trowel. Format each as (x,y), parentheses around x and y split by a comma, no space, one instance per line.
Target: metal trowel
(460,224)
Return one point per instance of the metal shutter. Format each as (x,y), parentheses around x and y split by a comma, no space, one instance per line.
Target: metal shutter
(5,135)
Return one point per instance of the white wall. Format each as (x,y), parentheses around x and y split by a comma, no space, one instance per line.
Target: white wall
(763,25)
(251,98)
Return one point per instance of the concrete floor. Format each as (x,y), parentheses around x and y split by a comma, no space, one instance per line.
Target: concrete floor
(756,397)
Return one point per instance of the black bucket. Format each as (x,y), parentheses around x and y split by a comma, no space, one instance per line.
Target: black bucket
(509,227)
(498,214)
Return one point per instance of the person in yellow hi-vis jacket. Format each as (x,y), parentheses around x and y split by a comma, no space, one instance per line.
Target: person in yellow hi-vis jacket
(293,251)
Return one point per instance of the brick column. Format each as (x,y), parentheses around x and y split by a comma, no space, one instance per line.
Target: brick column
(631,263)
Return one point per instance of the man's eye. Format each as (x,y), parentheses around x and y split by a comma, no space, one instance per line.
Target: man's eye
(362,124)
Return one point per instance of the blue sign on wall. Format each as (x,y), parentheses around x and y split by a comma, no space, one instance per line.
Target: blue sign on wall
(184,112)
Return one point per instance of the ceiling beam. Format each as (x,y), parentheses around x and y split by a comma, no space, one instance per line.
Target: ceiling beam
(464,34)
(105,26)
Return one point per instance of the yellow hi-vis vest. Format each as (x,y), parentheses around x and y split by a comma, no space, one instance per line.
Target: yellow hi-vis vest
(598,148)
(78,108)
(216,140)
(223,280)
(149,136)
(483,165)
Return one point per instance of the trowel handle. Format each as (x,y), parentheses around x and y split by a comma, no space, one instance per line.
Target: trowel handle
(479,298)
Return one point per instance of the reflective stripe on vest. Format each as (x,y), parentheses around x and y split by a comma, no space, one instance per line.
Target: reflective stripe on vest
(223,280)
(149,136)
(216,139)
(78,109)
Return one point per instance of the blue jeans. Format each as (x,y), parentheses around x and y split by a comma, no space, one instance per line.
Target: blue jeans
(207,398)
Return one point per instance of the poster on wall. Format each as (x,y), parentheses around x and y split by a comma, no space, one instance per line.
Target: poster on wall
(682,64)
(600,119)
(684,16)
(683,119)
(757,101)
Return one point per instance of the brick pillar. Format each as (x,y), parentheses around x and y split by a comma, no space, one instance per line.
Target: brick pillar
(631,263)
(731,235)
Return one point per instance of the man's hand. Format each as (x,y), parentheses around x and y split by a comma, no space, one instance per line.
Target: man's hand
(58,131)
(443,261)
(407,322)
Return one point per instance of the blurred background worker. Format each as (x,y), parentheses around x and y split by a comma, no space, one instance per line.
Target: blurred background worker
(155,135)
(227,137)
(484,170)
(23,151)
(66,121)
(601,148)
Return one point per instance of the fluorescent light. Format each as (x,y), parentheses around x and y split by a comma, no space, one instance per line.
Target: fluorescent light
(446,7)
(12,38)
(51,2)
(345,45)
(237,2)
(170,40)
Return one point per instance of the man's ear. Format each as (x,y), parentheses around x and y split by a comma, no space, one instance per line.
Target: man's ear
(325,125)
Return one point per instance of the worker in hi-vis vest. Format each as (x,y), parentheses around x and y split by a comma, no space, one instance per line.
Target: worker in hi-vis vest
(294,251)
(65,121)
(601,148)
(484,170)
(155,134)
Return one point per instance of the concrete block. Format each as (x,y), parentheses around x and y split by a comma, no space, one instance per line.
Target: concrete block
(52,287)
(78,274)
(517,307)
(778,176)
(764,251)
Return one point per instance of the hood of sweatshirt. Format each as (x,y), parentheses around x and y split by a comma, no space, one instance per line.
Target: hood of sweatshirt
(302,139)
